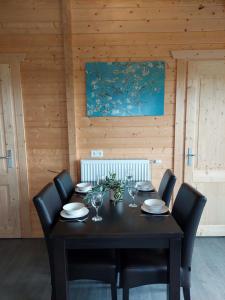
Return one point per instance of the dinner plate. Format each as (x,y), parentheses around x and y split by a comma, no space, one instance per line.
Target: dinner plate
(66,216)
(83,192)
(163,210)
(144,186)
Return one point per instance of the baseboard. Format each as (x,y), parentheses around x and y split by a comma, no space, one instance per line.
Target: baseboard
(211,230)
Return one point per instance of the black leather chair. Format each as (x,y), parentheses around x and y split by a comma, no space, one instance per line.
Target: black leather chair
(64,185)
(82,264)
(149,266)
(166,186)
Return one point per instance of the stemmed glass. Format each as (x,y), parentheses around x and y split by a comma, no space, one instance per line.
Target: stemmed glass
(96,201)
(132,190)
(129,177)
(99,178)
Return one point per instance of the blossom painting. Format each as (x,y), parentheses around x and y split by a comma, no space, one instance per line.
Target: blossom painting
(125,88)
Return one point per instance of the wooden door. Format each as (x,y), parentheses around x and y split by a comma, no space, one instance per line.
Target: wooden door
(205,139)
(9,187)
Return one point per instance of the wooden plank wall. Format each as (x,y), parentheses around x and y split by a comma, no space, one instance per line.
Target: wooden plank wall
(143,30)
(34,28)
(103,30)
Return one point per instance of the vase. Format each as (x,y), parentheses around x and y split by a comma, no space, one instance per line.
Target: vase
(111,195)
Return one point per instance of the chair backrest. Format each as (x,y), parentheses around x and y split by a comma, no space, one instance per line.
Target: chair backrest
(187,211)
(64,185)
(166,186)
(48,205)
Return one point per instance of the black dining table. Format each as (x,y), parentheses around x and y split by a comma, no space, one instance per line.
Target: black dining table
(121,227)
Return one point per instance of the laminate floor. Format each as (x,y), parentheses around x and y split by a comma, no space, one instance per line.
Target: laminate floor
(24,274)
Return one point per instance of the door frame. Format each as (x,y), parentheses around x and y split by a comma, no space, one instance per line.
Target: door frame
(182,58)
(70,88)
(14,61)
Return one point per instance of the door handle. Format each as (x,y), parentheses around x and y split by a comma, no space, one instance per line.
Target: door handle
(190,155)
(9,158)
(4,157)
(8,155)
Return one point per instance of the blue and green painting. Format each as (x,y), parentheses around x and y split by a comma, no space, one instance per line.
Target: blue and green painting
(125,88)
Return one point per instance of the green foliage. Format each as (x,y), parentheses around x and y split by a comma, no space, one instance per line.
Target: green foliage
(110,183)
(97,188)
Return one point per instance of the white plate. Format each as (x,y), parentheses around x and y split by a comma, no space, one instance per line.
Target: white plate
(83,185)
(85,211)
(144,186)
(82,191)
(163,210)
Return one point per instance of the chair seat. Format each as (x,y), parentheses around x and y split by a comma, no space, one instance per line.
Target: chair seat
(145,259)
(148,266)
(141,267)
(92,264)
(145,266)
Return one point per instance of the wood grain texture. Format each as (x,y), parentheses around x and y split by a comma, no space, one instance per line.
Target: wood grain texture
(9,179)
(22,171)
(142,3)
(199,54)
(69,77)
(205,136)
(102,30)
(139,31)
(33,29)
(141,13)
(155,25)
(180,122)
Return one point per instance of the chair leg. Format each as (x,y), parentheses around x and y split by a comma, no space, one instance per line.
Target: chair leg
(114,290)
(125,293)
(187,294)
(120,281)
(52,296)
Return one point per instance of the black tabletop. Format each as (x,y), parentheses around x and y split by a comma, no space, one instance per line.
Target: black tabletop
(119,221)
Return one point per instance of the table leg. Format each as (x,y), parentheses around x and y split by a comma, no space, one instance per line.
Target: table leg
(60,286)
(173,287)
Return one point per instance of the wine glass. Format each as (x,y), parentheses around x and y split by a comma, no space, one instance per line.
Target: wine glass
(129,177)
(99,178)
(96,201)
(132,190)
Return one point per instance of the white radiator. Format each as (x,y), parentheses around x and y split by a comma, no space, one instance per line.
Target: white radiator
(91,169)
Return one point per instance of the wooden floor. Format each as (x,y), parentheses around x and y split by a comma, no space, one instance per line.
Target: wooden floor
(24,274)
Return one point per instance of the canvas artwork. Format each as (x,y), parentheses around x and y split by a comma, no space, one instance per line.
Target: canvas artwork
(125,88)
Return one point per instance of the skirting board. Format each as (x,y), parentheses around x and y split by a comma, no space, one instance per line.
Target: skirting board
(211,230)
